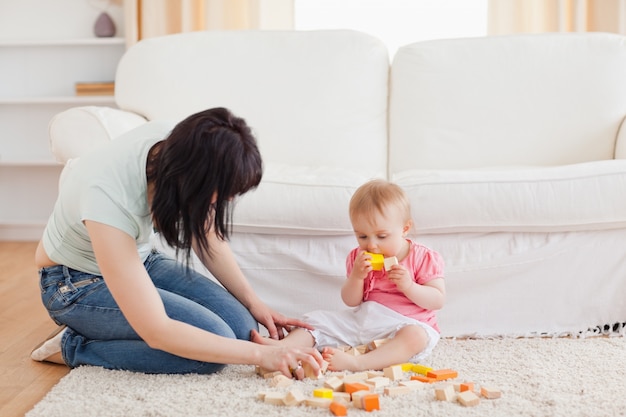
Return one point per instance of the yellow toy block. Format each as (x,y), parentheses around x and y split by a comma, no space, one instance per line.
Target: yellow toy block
(407,367)
(421,369)
(378,261)
(323,393)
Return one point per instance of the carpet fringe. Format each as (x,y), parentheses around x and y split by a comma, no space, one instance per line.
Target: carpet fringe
(609,330)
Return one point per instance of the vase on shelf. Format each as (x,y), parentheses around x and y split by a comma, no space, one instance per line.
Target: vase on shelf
(104,26)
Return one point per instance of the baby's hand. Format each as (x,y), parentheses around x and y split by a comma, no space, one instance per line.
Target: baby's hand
(400,276)
(362,266)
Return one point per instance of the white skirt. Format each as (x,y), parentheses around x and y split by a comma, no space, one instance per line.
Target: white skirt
(363,324)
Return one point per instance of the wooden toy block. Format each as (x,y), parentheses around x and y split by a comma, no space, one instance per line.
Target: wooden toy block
(280,381)
(422,378)
(355,377)
(445,393)
(323,393)
(374,374)
(271,375)
(394,373)
(378,382)
(370,402)
(310,373)
(338,409)
(357,398)
(276,398)
(468,398)
(318,402)
(342,396)
(352,387)
(490,392)
(466,386)
(407,367)
(421,369)
(412,384)
(377,261)
(375,344)
(442,374)
(397,390)
(261,395)
(294,397)
(389,262)
(353,351)
(334,383)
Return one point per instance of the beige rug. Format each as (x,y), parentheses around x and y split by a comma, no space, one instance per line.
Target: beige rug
(538,377)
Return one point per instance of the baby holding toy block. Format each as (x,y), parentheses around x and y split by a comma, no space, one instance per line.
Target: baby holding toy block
(396,303)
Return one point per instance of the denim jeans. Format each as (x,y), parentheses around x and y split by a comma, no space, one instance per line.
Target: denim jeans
(99,335)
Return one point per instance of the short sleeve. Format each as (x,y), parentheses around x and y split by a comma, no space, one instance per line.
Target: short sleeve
(429,265)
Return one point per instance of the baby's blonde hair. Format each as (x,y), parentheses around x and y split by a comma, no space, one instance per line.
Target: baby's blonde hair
(376,196)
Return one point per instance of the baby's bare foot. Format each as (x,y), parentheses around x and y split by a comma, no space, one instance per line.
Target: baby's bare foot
(257,338)
(339,360)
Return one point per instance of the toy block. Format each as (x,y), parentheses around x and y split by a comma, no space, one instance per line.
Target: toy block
(466,386)
(276,398)
(490,392)
(323,393)
(375,344)
(310,373)
(357,398)
(422,378)
(334,383)
(394,373)
(338,409)
(354,351)
(294,397)
(442,374)
(370,402)
(342,396)
(374,374)
(261,395)
(397,390)
(318,402)
(389,262)
(352,387)
(355,377)
(281,381)
(420,369)
(468,398)
(445,393)
(377,261)
(412,384)
(378,382)
(407,367)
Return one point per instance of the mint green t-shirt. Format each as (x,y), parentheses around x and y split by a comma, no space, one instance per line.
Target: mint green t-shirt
(107,185)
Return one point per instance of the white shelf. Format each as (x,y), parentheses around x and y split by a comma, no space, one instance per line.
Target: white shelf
(73,100)
(61,42)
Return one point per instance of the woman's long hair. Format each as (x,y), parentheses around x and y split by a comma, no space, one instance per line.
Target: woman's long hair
(209,155)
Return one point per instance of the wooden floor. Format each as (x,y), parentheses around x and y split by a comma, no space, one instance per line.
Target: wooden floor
(23,324)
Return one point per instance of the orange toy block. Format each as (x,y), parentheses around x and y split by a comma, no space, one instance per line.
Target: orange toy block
(370,402)
(338,408)
(466,386)
(378,261)
(352,387)
(422,378)
(442,374)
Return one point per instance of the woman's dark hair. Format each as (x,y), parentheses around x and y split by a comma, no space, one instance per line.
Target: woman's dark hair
(210,154)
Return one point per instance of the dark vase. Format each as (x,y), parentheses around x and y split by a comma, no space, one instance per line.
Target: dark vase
(104,27)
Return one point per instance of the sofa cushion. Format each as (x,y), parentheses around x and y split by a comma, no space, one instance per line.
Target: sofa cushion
(296,200)
(548,199)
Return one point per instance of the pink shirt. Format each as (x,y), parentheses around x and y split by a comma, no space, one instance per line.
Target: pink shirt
(426,265)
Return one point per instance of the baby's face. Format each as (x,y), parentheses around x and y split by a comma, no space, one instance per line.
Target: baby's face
(383,234)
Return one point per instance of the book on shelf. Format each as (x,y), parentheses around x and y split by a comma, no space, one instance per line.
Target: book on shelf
(95,89)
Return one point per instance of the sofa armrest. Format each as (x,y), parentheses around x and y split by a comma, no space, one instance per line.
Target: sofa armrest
(620,141)
(77,130)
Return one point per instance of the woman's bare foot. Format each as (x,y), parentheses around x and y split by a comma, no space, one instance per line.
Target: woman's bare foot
(257,338)
(339,360)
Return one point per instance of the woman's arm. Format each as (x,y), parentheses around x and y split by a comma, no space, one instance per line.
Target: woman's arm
(141,304)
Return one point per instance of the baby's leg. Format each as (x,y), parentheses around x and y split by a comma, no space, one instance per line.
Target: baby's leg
(297,338)
(408,342)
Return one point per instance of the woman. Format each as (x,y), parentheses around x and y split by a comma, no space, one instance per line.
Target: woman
(122,305)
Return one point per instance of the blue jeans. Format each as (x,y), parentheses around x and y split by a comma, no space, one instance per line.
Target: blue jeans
(99,335)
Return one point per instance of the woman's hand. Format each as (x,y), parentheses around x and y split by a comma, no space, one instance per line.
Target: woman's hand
(277,324)
(290,361)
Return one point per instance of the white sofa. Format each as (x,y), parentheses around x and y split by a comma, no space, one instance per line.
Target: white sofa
(511,149)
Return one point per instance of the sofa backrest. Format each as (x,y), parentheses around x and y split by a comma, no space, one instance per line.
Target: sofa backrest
(312,97)
(530,100)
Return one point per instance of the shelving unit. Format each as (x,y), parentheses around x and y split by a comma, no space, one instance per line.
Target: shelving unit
(39,70)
